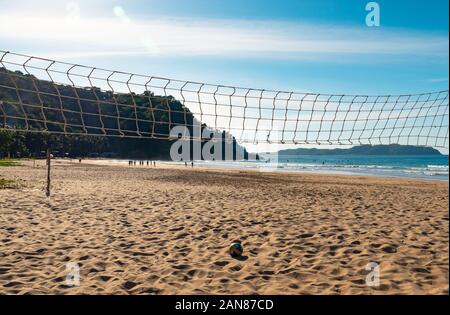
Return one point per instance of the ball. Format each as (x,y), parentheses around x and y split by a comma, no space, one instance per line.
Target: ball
(236,249)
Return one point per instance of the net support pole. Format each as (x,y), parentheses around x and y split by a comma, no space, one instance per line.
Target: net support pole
(48,172)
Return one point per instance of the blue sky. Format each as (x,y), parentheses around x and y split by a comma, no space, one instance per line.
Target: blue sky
(318,46)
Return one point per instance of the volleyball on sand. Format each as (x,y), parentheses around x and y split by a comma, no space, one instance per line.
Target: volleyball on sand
(236,249)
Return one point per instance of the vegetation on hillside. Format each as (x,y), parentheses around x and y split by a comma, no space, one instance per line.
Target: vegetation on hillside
(61,117)
(391,149)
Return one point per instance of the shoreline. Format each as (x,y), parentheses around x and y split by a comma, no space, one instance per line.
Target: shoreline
(202,165)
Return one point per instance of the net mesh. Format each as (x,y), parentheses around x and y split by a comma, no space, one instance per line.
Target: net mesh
(42,95)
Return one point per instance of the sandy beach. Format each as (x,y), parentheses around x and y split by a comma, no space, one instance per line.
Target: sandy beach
(166,230)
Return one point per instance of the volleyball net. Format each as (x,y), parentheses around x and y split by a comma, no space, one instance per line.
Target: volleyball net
(43,95)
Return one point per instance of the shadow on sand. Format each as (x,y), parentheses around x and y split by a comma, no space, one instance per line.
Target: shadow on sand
(241,258)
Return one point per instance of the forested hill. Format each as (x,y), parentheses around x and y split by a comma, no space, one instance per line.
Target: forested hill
(392,149)
(156,115)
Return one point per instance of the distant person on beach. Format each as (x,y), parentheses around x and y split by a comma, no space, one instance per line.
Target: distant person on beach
(134,163)
(147,163)
(192,163)
(154,163)
(79,160)
(185,164)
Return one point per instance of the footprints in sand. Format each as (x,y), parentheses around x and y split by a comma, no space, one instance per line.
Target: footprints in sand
(389,249)
(221,263)
(175,229)
(181,267)
(128,285)
(104,278)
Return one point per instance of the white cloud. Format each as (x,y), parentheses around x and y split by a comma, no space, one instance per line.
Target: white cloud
(437,80)
(122,35)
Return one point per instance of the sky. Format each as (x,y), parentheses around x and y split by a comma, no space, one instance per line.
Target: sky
(317,46)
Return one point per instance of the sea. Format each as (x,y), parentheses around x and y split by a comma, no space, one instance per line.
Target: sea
(434,167)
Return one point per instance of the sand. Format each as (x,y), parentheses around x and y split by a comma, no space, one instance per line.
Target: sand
(143,230)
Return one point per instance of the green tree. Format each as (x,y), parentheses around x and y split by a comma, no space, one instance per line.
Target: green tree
(6,140)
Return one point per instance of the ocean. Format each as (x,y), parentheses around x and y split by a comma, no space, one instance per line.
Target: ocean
(423,167)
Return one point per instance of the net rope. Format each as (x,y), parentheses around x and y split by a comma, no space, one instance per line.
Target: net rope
(43,95)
